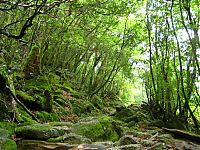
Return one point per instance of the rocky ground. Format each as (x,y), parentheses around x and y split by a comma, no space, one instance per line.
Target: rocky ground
(123,129)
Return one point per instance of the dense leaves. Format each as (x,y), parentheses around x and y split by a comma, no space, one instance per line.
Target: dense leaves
(100,47)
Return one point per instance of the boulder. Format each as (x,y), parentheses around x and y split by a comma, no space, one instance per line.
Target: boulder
(107,144)
(38,132)
(126,140)
(128,147)
(42,145)
(7,144)
(91,147)
(70,138)
(97,129)
(4,133)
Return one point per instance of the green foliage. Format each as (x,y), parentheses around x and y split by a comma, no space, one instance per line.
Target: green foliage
(47,117)
(7,144)
(8,126)
(91,48)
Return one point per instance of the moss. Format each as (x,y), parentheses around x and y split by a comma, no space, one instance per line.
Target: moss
(165,138)
(45,116)
(7,144)
(24,96)
(68,124)
(8,126)
(92,129)
(39,82)
(97,102)
(70,138)
(102,128)
(109,128)
(38,131)
(4,133)
(82,106)
(23,117)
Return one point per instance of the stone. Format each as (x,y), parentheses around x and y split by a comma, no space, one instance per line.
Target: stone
(128,147)
(7,144)
(165,138)
(107,144)
(38,132)
(68,124)
(42,145)
(91,147)
(4,133)
(70,138)
(126,140)
(97,129)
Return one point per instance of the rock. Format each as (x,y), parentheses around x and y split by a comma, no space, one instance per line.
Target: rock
(128,147)
(91,147)
(165,138)
(67,124)
(42,145)
(7,144)
(137,133)
(107,144)
(126,140)
(70,138)
(97,129)
(147,143)
(159,146)
(180,145)
(64,128)
(4,133)
(38,132)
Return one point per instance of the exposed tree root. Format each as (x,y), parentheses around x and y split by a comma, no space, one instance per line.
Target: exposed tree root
(183,134)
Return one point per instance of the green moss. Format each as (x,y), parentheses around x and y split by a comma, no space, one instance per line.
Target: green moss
(82,106)
(39,82)
(68,124)
(38,131)
(4,133)
(97,102)
(7,144)
(8,126)
(101,129)
(45,116)
(24,96)
(92,129)
(23,117)
(108,125)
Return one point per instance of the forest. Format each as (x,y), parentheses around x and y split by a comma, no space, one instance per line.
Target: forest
(99,74)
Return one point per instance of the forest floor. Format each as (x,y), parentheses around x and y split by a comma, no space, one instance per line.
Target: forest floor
(126,128)
(67,119)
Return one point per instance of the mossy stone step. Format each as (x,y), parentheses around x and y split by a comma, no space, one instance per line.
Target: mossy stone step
(38,132)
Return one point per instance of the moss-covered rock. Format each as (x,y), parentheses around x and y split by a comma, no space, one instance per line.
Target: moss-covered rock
(71,138)
(4,133)
(38,131)
(7,144)
(165,138)
(68,124)
(101,128)
(42,145)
